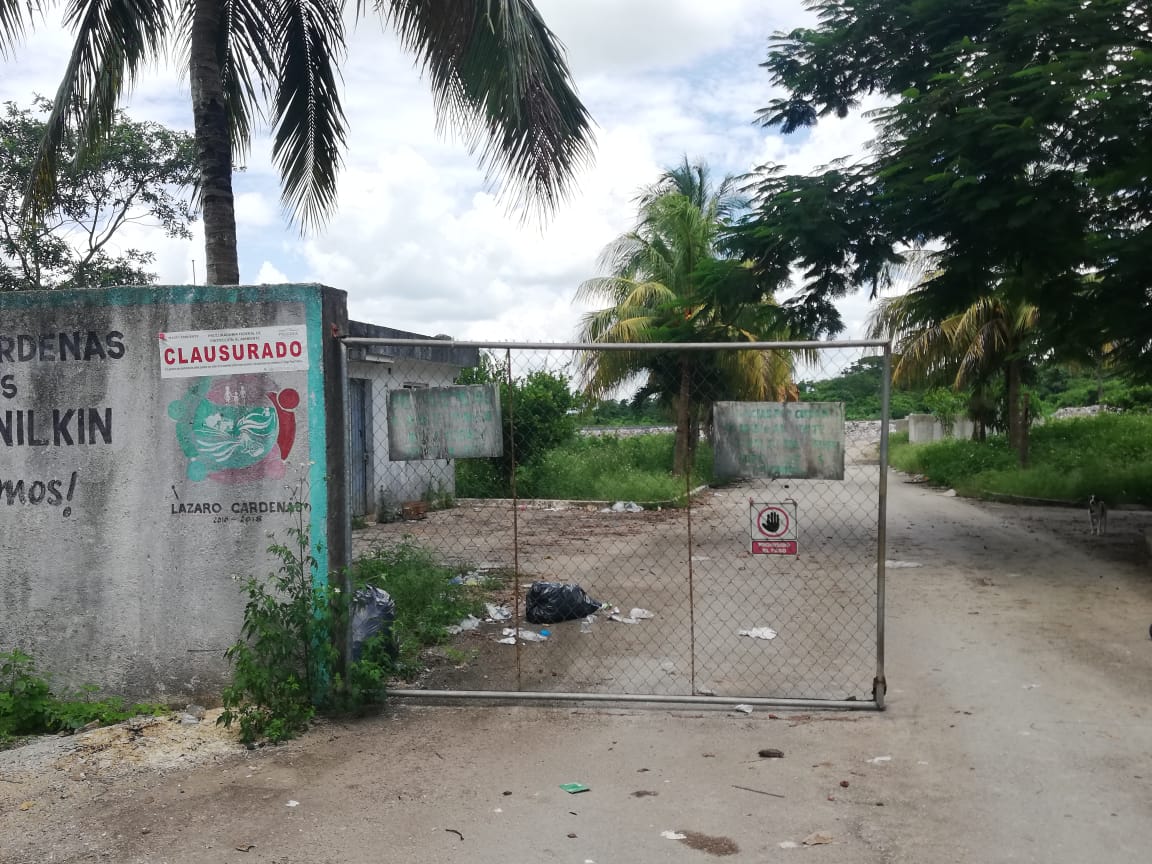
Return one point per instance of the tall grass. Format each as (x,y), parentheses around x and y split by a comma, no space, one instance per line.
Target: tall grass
(609,468)
(1108,455)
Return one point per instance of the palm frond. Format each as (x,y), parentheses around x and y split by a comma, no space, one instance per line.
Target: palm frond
(14,15)
(114,38)
(499,75)
(309,119)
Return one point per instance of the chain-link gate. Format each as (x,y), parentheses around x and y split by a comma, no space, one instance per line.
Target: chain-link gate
(713,499)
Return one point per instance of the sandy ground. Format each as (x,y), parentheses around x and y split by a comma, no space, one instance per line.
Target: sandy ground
(1017,730)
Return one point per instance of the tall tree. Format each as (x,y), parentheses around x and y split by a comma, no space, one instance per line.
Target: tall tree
(994,335)
(497,71)
(668,280)
(1013,139)
(142,175)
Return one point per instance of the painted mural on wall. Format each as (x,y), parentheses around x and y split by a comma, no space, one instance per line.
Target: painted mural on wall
(236,429)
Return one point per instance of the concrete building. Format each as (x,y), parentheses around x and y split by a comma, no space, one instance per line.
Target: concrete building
(373,370)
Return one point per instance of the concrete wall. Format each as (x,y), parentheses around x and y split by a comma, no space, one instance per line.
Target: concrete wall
(403,481)
(924,428)
(139,479)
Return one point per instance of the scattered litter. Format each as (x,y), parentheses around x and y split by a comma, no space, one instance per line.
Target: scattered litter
(623,507)
(1030,686)
(757,791)
(469,623)
(672,835)
(771,753)
(817,839)
(454,831)
(615,616)
(951,493)
(788,844)
(897,565)
(292,804)
(497,613)
(742,708)
(525,635)
(511,640)
(545,633)
(586,624)
(574,788)
(759,633)
(472,577)
(877,760)
(843,784)
(641,614)
(245,847)
(553,602)
(705,691)
(27,805)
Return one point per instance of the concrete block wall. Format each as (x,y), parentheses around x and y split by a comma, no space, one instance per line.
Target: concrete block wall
(150,440)
(925,428)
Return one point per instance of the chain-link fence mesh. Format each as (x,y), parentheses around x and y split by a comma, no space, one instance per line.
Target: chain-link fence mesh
(716,502)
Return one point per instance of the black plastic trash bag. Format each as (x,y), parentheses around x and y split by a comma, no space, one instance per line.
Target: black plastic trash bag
(373,611)
(550,602)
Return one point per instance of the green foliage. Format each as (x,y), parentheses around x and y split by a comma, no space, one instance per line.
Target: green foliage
(29,707)
(945,405)
(538,415)
(859,388)
(1108,455)
(143,174)
(1011,143)
(427,600)
(608,468)
(285,656)
(640,411)
(286,663)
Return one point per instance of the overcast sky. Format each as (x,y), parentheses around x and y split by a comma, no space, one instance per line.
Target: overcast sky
(419,241)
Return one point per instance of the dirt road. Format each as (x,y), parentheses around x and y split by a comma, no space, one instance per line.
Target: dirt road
(1018,730)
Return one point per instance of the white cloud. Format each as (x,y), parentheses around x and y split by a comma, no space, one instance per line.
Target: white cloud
(420,241)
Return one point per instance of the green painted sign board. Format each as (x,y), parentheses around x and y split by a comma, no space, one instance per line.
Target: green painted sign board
(778,440)
(459,422)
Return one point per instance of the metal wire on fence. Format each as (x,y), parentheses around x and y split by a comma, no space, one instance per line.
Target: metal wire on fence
(658,522)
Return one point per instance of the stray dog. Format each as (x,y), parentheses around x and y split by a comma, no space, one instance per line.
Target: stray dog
(1097,515)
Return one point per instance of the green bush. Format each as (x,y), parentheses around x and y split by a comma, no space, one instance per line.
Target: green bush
(1108,455)
(29,707)
(427,599)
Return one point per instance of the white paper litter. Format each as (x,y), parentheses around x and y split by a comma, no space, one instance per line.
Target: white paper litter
(292,804)
(671,835)
(623,507)
(788,844)
(759,633)
(511,640)
(621,619)
(742,708)
(469,623)
(525,635)
(878,760)
(497,613)
(641,614)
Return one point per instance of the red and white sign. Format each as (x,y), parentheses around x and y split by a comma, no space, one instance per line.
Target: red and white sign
(195,353)
(773,528)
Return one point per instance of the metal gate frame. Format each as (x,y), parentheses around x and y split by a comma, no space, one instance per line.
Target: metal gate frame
(879,684)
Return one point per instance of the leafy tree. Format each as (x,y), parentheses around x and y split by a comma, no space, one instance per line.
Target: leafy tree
(669,280)
(497,71)
(859,388)
(1013,141)
(538,415)
(139,176)
(993,336)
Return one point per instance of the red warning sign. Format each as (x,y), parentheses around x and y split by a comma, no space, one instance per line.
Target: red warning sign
(773,528)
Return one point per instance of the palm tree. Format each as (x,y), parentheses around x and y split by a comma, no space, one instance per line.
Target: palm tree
(667,281)
(498,74)
(993,335)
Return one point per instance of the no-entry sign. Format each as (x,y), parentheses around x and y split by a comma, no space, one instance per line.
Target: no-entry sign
(773,528)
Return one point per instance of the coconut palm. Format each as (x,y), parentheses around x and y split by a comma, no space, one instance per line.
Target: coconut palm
(994,335)
(667,281)
(497,72)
